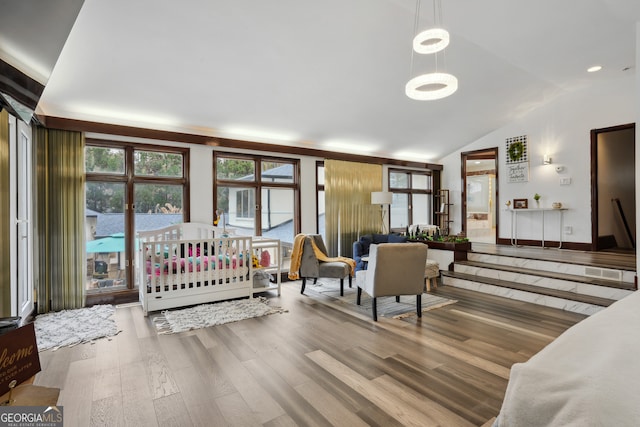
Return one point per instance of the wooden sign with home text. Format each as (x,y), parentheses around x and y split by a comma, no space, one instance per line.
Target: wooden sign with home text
(19,358)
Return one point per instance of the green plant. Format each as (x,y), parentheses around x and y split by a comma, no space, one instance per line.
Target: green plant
(450,239)
(536,197)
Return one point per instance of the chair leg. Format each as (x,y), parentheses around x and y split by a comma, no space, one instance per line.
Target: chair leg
(397,298)
(375,309)
(304,283)
(349,280)
(419,305)
(315,280)
(342,287)
(359,295)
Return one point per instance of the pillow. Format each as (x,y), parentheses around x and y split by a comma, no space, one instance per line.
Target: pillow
(380,238)
(365,241)
(396,238)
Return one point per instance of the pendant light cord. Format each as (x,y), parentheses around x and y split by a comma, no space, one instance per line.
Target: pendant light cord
(415,32)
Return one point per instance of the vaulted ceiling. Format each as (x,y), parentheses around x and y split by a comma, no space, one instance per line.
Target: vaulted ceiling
(320,74)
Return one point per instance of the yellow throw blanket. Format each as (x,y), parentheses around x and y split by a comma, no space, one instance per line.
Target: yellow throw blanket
(296,257)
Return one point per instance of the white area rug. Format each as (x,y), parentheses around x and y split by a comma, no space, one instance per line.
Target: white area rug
(71,327)
(202,316)
(387,306)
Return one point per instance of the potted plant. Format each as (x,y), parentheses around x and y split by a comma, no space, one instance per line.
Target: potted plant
(536,197)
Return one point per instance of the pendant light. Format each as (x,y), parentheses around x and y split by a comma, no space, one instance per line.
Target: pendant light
(435,85)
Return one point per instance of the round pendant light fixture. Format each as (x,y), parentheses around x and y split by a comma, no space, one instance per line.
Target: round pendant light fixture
(435,85)
(431,41)
(428,87)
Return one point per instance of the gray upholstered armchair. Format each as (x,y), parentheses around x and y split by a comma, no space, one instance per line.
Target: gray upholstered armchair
(394,269)
(312,267)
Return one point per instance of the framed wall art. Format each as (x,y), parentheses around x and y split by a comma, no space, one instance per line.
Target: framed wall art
(520,203)
(517,159)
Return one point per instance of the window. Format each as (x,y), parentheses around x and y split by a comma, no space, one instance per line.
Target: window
(258,204)
(412,197)
(244,204)
(129,188)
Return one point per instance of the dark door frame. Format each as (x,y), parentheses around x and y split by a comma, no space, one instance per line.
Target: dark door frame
(483,154)
(595,244)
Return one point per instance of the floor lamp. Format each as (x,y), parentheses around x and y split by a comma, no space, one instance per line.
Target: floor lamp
(382,198)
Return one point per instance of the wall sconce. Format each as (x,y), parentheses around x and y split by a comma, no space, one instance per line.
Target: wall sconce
(547,159)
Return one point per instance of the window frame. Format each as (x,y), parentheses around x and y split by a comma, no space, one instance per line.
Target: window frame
(129,179)
(257,184)
(411,192)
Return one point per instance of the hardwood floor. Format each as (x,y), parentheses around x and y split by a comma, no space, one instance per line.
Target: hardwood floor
(318,365)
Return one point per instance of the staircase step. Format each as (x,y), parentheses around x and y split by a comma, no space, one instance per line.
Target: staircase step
(558,267)
(551,275)
(585,304)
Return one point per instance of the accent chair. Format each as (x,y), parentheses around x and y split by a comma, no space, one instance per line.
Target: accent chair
(394,269)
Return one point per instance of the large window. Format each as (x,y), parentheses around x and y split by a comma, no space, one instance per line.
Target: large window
(412,197)
(257,196)
(129,188)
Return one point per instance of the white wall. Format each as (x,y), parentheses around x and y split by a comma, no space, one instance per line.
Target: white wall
(201,179)
(560,128)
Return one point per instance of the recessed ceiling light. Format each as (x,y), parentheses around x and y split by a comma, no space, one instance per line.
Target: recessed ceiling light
(594,68)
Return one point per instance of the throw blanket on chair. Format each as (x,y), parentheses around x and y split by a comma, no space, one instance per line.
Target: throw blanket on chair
(296,257)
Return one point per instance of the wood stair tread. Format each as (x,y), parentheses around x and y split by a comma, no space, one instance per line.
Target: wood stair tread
(572,296)
(565,256)
(551,275)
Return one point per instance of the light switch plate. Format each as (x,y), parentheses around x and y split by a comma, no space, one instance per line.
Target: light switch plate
(565,180)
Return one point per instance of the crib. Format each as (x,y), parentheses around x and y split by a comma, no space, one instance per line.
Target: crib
(192,263)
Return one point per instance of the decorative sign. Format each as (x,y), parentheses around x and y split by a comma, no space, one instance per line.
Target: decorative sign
(517,159)
(19,358)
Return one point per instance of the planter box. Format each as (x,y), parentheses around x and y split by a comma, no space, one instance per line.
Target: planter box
(446,253)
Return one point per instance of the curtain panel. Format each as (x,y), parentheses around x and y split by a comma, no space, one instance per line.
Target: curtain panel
(5,218)
(59,219)
(349,212)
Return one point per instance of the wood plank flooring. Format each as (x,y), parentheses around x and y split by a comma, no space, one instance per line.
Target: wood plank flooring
(319,364)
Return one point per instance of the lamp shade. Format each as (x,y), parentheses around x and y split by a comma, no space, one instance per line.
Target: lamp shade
(381,197)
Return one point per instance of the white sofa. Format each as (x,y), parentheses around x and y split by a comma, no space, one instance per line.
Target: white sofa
(588,376)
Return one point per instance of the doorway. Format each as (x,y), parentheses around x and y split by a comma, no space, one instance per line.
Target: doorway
(480,194)
(613,210)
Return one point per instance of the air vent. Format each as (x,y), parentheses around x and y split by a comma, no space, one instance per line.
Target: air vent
(603,273)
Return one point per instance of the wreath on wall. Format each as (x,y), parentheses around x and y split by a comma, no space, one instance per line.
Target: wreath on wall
(516,149)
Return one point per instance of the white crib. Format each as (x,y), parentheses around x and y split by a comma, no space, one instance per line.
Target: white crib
(192,263)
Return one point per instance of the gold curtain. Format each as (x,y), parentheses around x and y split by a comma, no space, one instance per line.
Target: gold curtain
(5,219)
(59,218)
(349,212)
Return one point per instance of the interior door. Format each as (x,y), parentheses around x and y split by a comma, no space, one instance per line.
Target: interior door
(24,242)
(613,188)
(479,213)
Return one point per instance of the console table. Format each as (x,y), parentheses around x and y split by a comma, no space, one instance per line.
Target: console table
(514,222)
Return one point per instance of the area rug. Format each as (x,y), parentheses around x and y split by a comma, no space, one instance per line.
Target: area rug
(387,306)
(202,316)
(71,327)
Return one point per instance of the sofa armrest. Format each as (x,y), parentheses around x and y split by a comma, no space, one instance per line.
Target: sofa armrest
(358,253)
(358,250)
